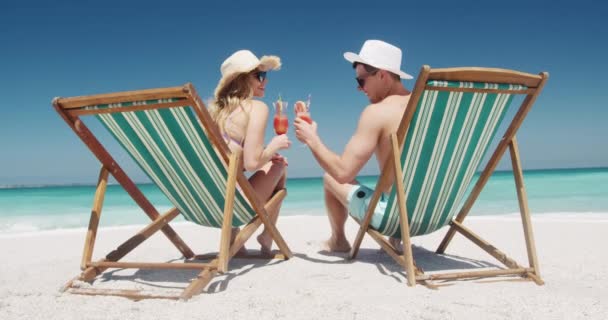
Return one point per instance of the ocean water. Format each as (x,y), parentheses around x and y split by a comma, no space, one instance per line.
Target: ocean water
(562,192)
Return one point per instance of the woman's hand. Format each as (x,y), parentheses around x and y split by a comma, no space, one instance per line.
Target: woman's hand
(279,142)
(305,132)
(279,159)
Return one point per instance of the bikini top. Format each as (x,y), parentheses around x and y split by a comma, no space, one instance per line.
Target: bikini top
(228,137)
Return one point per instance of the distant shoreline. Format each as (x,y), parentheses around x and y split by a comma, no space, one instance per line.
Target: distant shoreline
(67,185)
(579,217)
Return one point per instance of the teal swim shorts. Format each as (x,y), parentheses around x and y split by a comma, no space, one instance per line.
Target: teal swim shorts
(358,199)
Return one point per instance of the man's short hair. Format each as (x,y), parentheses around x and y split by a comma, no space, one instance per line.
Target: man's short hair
(371,69)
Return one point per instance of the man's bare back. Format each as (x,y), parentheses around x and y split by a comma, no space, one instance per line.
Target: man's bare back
(388,114)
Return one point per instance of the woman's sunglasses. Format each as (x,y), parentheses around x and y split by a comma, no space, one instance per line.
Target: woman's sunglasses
(260,75)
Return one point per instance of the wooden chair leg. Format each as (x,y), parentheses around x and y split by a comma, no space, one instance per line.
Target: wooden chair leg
(523,206)
(363,227)
(135,295)
(513,267)
(198,284)
(244,235)
(108,161)
(91,272)
(255,223)
(407,244)
(274,232)
(89,242)
(364,224)
(207,275)
(405,227)
(393,253)
(384,178)
(228,213)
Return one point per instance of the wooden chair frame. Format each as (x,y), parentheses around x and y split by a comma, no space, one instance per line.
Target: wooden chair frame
(70,109)
(393,171)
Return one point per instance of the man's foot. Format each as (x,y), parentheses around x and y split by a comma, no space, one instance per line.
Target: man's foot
(396,243)
(337,245)
(265,245)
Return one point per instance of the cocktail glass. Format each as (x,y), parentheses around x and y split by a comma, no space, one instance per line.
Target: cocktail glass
(302,110)
(281,123)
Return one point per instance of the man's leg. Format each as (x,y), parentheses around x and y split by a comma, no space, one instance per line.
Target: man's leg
(336,203)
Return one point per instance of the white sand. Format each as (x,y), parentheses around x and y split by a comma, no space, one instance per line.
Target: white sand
(313,285)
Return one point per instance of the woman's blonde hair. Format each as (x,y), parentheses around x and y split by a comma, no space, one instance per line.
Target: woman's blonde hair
(229,98)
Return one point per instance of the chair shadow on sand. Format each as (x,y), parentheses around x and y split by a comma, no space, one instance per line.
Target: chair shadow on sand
(172,279)
(426,260)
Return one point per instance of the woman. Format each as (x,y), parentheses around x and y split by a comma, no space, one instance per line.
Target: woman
(242,122)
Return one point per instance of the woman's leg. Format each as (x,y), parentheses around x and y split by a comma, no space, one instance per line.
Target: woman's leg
(265,182)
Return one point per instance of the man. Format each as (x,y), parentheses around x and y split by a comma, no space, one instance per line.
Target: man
(378,75)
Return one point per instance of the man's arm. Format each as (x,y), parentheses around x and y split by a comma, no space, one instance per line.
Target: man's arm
(344,168)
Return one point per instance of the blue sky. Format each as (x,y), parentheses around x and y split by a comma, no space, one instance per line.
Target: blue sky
(87,47)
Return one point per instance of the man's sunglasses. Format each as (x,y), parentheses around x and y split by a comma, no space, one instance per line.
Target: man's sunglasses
(361,81)
(260,75)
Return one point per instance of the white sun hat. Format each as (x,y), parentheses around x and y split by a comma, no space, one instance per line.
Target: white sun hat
(381,55)
(244,61)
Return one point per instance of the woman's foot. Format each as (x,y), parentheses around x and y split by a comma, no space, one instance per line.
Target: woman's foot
(396,243)
(265,245)
(242,250)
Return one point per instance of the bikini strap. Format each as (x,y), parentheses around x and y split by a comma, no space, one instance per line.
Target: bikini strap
(227,136)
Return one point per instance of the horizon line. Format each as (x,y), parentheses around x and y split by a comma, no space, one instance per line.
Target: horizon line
(86,184)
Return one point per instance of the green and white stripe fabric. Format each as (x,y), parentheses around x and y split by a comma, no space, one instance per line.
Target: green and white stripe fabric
(172,148)
(447,138)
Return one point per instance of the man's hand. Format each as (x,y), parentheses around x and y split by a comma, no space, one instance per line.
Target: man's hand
(305,132)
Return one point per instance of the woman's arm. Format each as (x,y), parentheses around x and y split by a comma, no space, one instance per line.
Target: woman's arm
(254,153)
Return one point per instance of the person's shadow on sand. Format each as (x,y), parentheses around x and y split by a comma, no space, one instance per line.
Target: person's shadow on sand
(172,278)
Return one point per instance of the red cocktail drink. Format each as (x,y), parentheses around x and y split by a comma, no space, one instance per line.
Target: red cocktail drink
(280,118)
(280,123)
(305,116)
(302,111)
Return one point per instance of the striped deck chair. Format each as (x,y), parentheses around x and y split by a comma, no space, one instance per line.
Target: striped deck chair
(171,136)
(452,116)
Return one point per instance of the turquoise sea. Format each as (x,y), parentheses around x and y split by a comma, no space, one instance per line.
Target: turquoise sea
(562,192)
